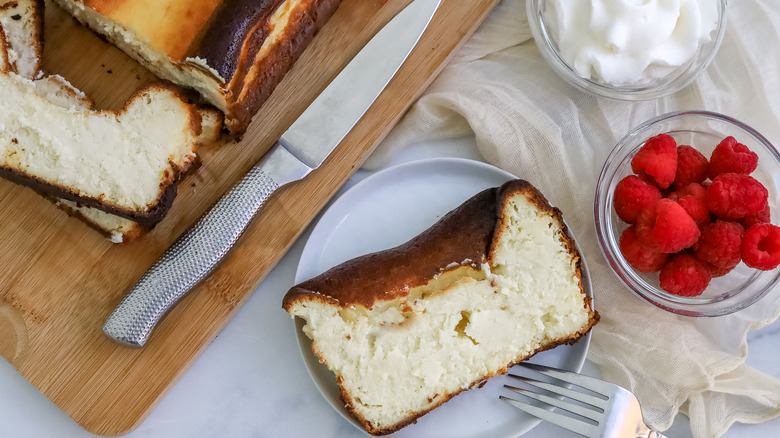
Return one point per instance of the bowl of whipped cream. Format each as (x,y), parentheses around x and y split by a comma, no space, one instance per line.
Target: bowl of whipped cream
(628,49)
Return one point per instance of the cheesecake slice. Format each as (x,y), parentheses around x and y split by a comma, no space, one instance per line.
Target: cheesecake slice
(494,282)
(126,163)
(22,21)
(234,52)
(59,91)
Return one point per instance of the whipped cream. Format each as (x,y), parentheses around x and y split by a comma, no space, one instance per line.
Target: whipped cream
(629,42)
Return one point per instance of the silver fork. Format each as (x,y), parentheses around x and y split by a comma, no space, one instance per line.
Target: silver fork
(613,412)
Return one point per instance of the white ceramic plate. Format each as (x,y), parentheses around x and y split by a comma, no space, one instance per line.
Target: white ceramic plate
(383,211)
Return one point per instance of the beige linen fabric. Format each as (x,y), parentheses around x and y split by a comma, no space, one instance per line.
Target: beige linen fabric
(531,123)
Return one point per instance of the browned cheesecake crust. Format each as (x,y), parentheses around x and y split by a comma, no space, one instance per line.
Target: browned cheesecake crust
(5,65)
(466,236)
(233,35)
(411,264)
(267,72)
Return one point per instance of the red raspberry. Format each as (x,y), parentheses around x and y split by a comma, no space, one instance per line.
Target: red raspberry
(719,244)
(685,275)
(696,209)
(692,167)
(762,217)
(692,189)
(761,247)
(734,196)
(641,258)
(631,195)
(657,160)
(666,227)
(719,272)
(732,157)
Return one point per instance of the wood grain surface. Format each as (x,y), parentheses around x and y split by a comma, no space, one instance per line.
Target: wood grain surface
(60,279)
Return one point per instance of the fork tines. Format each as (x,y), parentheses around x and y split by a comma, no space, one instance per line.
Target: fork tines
(592,408)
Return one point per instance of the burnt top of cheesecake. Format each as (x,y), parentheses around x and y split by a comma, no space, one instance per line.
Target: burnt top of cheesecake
(222,32)
(463,236)
(235,27)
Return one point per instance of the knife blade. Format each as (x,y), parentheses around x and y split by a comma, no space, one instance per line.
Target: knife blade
(301,149)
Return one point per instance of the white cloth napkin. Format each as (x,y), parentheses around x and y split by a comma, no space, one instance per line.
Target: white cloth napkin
(531,123)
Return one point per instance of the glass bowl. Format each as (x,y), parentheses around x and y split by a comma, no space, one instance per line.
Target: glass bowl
(671,82)
(703,130)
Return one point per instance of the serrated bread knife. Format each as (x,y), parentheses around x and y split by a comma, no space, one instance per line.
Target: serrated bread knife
(302,148)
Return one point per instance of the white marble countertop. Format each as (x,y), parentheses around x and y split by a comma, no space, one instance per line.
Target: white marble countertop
(252,382)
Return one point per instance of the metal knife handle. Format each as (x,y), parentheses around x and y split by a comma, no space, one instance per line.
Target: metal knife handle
(199,251)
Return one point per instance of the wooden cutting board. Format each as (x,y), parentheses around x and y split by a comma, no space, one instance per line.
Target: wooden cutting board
(60,280)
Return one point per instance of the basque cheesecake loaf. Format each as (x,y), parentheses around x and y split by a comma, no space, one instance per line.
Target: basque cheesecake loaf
(126,162)
(234,52)
(494,282)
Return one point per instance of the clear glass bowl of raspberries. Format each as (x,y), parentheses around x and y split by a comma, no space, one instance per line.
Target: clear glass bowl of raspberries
(684,209)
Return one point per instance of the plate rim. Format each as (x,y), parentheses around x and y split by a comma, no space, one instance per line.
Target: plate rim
(304,343)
